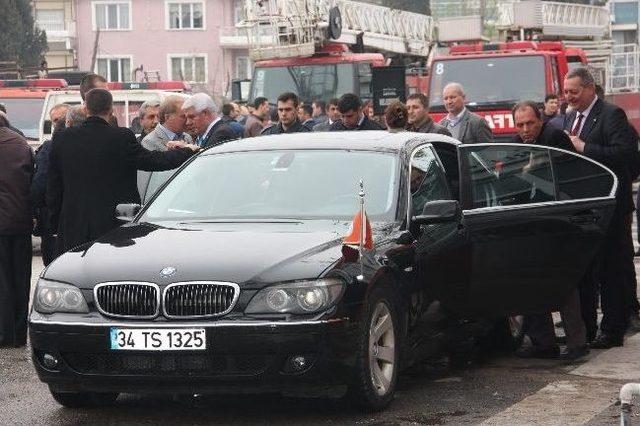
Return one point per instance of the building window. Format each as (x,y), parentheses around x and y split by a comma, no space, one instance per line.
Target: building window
(243,67)
(185,16)
(111,15)
(114,68)
(192,68)
(238,11)
(50,20)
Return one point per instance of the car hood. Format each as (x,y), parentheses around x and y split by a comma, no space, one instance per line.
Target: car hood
(249,254)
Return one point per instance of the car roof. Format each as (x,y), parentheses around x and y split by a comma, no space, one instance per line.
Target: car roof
(369,140)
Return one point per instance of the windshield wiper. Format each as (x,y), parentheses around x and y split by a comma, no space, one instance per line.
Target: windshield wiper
(241,221)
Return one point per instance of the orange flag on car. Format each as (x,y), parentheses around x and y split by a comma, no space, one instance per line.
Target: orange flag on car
(360,232)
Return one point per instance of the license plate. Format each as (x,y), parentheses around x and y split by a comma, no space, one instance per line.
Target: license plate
(153,339)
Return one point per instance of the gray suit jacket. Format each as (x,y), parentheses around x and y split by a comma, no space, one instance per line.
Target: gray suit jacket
(473,128)
(157,140)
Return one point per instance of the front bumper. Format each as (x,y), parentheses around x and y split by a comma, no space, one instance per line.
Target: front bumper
(241,356)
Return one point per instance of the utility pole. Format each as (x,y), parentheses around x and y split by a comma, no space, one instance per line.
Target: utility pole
(96,44)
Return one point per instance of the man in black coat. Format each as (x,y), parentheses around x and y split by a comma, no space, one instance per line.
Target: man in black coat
(419,119)
(16,170)
(93,169)
(600,130)
(532,129)
(58,117)
(353,118)
(203,119)
(288,121)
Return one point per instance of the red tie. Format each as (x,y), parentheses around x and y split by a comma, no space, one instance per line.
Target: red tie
(576,128)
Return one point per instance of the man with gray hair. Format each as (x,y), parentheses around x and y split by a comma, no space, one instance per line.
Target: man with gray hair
(203,118)
(464,125)
(148,117)
(75,116)
(171,127)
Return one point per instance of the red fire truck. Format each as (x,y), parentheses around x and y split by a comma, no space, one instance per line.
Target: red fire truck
(24,100)
(496,76)
(302,46)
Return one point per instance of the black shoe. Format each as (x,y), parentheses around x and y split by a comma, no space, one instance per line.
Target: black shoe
(607,341)
(552,352)
(633,322)
(571,355)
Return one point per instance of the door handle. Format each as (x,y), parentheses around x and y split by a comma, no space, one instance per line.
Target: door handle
(589,216)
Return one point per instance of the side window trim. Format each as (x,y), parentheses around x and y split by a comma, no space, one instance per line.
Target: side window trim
(465,181)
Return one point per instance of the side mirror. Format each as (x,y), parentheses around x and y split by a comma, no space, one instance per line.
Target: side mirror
(46,127)
(439,211)
(126,212)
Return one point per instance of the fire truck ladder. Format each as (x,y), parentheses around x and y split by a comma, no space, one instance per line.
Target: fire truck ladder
(577,25)
(291,28)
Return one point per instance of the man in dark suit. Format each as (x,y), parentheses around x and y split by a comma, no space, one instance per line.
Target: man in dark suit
(333,115)
(600,130)
(532,129)
(464,125)
(93,169)
(148,116)
(353,117)
(202,117)
(288,121)
(419,119)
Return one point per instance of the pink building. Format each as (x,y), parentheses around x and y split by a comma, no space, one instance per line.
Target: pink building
(191,40)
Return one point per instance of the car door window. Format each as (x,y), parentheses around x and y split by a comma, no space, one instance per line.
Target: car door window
(427,180)
(578,178)
(505,175)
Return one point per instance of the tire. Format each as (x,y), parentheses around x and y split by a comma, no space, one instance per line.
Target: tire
(376,371)
(84,399)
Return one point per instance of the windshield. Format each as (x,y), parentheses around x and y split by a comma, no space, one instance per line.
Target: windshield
(309,81)
(24,114)
(309,184)
(490,80)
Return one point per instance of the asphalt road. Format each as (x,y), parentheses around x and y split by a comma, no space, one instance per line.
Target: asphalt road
(498,390)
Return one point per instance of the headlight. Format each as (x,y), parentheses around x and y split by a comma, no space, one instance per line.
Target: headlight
(303,297)
(56,297)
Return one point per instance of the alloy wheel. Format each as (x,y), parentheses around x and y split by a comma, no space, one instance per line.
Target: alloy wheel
(382,343)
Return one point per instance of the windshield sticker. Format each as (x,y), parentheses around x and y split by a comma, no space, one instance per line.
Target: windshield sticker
(439,68)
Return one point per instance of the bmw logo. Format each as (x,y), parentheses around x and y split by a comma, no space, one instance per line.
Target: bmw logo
(168,271)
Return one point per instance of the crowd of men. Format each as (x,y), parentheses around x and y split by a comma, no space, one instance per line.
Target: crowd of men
(68,192)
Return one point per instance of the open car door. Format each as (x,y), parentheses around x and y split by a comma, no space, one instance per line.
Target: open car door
(534,217)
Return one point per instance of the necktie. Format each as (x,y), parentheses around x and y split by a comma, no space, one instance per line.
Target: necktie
(576,128)
(177,137)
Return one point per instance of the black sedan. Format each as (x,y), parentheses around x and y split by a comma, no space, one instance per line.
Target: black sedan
(235,276)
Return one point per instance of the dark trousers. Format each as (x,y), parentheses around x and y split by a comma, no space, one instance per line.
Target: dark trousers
(588,288)
(614,277)
(15,282)
(48,249)
(541,331)
(633,307)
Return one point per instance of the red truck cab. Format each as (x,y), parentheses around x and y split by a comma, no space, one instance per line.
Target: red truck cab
(495,76)
(331,72)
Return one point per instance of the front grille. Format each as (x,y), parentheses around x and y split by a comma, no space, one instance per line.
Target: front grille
(166,364)
(199,299)
(127,299)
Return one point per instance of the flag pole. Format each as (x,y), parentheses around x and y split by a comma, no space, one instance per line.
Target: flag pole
(363,230)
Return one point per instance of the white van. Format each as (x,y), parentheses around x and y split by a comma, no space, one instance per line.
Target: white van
(126,101)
